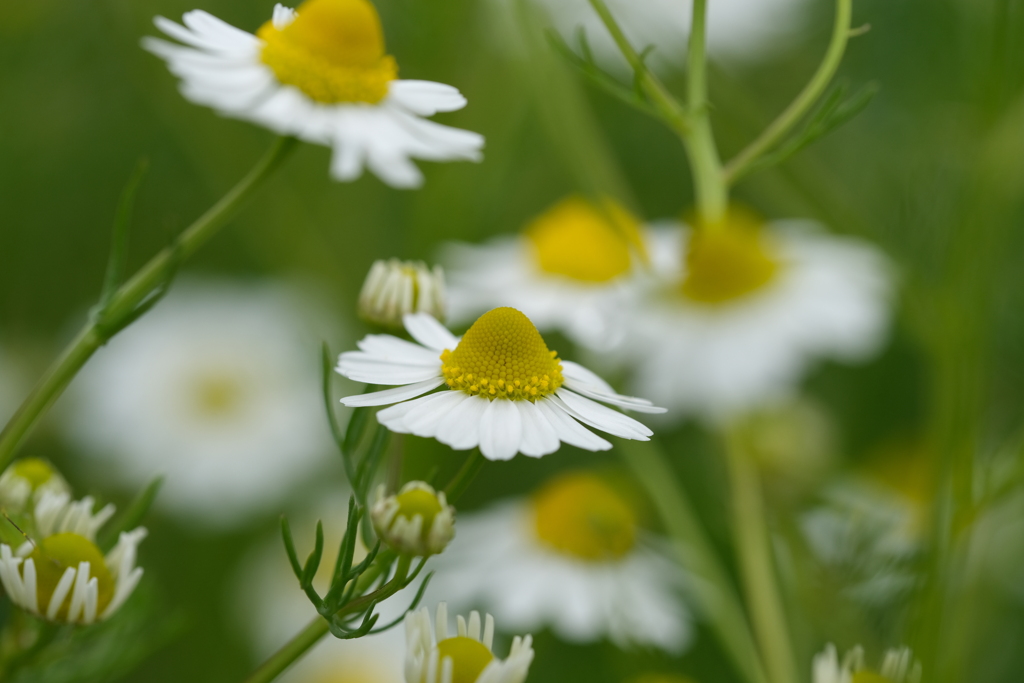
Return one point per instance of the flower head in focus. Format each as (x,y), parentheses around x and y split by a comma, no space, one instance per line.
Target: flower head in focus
(571,557)
(211,389)
(321,74)
(435,656)
(503,389)
(61,575)
(394,288)
(417,520)
(27,480)
(738,310)
(898,666)
(566,270)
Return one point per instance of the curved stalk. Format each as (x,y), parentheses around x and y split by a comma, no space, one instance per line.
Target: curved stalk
(130,300)
(774,133)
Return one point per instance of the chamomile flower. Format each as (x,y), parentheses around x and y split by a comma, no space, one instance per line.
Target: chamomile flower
(62,576)
(503,390)
(417,520)
(738,311)
(212,390)
(566,270)
(433,655)
(573,558)
(898,666)
(394,288)
(24,482)
(321,74)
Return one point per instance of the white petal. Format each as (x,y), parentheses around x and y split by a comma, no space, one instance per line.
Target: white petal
(575,371)
(424,419)
(383,398)
(500,430)
(539,437)
(601,417)
(361,367)
(425,329)
(387,347)
(460,428)
(569,430)
(425,98)
(393,417)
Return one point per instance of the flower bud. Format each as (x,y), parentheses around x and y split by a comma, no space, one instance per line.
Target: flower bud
(417,521)
(26,481)
(394,288)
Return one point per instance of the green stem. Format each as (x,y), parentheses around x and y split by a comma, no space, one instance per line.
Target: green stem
(774,133)
(465,476)
(305,639)
(753,547)
(125,302)
(715,589)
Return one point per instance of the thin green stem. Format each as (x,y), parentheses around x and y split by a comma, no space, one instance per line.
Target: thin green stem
(785,122)
(714,589)
(465,476)
(129,299)
(753,547)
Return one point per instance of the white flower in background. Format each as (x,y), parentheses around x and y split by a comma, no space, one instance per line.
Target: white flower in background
(898,666)
(62,575)
(571,557)
(565,271)
(434,656)
(417,520)
(216,388)
(320,74)
(737,312)
(27,480)
(394,288)
(504,391)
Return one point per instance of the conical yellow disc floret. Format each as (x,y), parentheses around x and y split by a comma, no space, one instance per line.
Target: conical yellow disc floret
(419,502)
(729,260)
(581,515)
(333,51)
(35,471)
(54,554)
(469,658)
(503,356)
(584,242)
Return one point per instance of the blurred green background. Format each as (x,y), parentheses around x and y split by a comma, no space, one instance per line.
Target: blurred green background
(932,171)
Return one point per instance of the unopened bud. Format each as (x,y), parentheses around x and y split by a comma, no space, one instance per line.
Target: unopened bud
(394,288)
(416,521)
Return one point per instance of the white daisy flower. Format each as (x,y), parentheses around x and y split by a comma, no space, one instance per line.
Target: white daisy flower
(417,520)
(566,270)
(320,74)
(27,480)
(504,391)
(898,666)
(434,656)
(216,389)
(735,314)
(571,558)
(63,576)
(394,288)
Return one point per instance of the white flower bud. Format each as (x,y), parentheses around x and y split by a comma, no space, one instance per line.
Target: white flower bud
(394,288)
(416,521)
(27,481)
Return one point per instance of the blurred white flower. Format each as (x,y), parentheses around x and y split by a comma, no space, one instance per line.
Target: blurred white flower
(898,666)
(565,271)
(394,288)
(27,480)
(571,558)
(733,316)
(434,656)
(504,390)
(320,74)
(218,389)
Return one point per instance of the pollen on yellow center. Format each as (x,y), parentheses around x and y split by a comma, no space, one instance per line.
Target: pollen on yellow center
(419,502)
(729,260)
(35,471)
(503,356)
(865,676)
(469,658)
(580,515)
(585,242)
(333,52)
(54,554)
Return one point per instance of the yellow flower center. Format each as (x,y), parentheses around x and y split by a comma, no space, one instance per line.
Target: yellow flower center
(469,658)
(728,261)
(865,676)
(578,514)
(584,242)
(503,356)
(217,396)
(35,471)
(54,554)
(333,51)
(418,502)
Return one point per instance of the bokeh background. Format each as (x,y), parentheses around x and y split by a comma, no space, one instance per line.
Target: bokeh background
(932,172)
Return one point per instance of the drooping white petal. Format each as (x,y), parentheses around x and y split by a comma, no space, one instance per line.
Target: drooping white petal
(539,437)
(500,430)
(601,417)
(569,430)
(640,405)
(424,419)
(460,428)
(425,329)
(383,398)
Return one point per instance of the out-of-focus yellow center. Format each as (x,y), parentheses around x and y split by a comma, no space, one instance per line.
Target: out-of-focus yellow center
(585,242)
(54,554)
(419,502)
(580,515)
(503,356)
(729,260)
(217,396)
(865,676)
(469,658)
(333,51)
(35,471)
